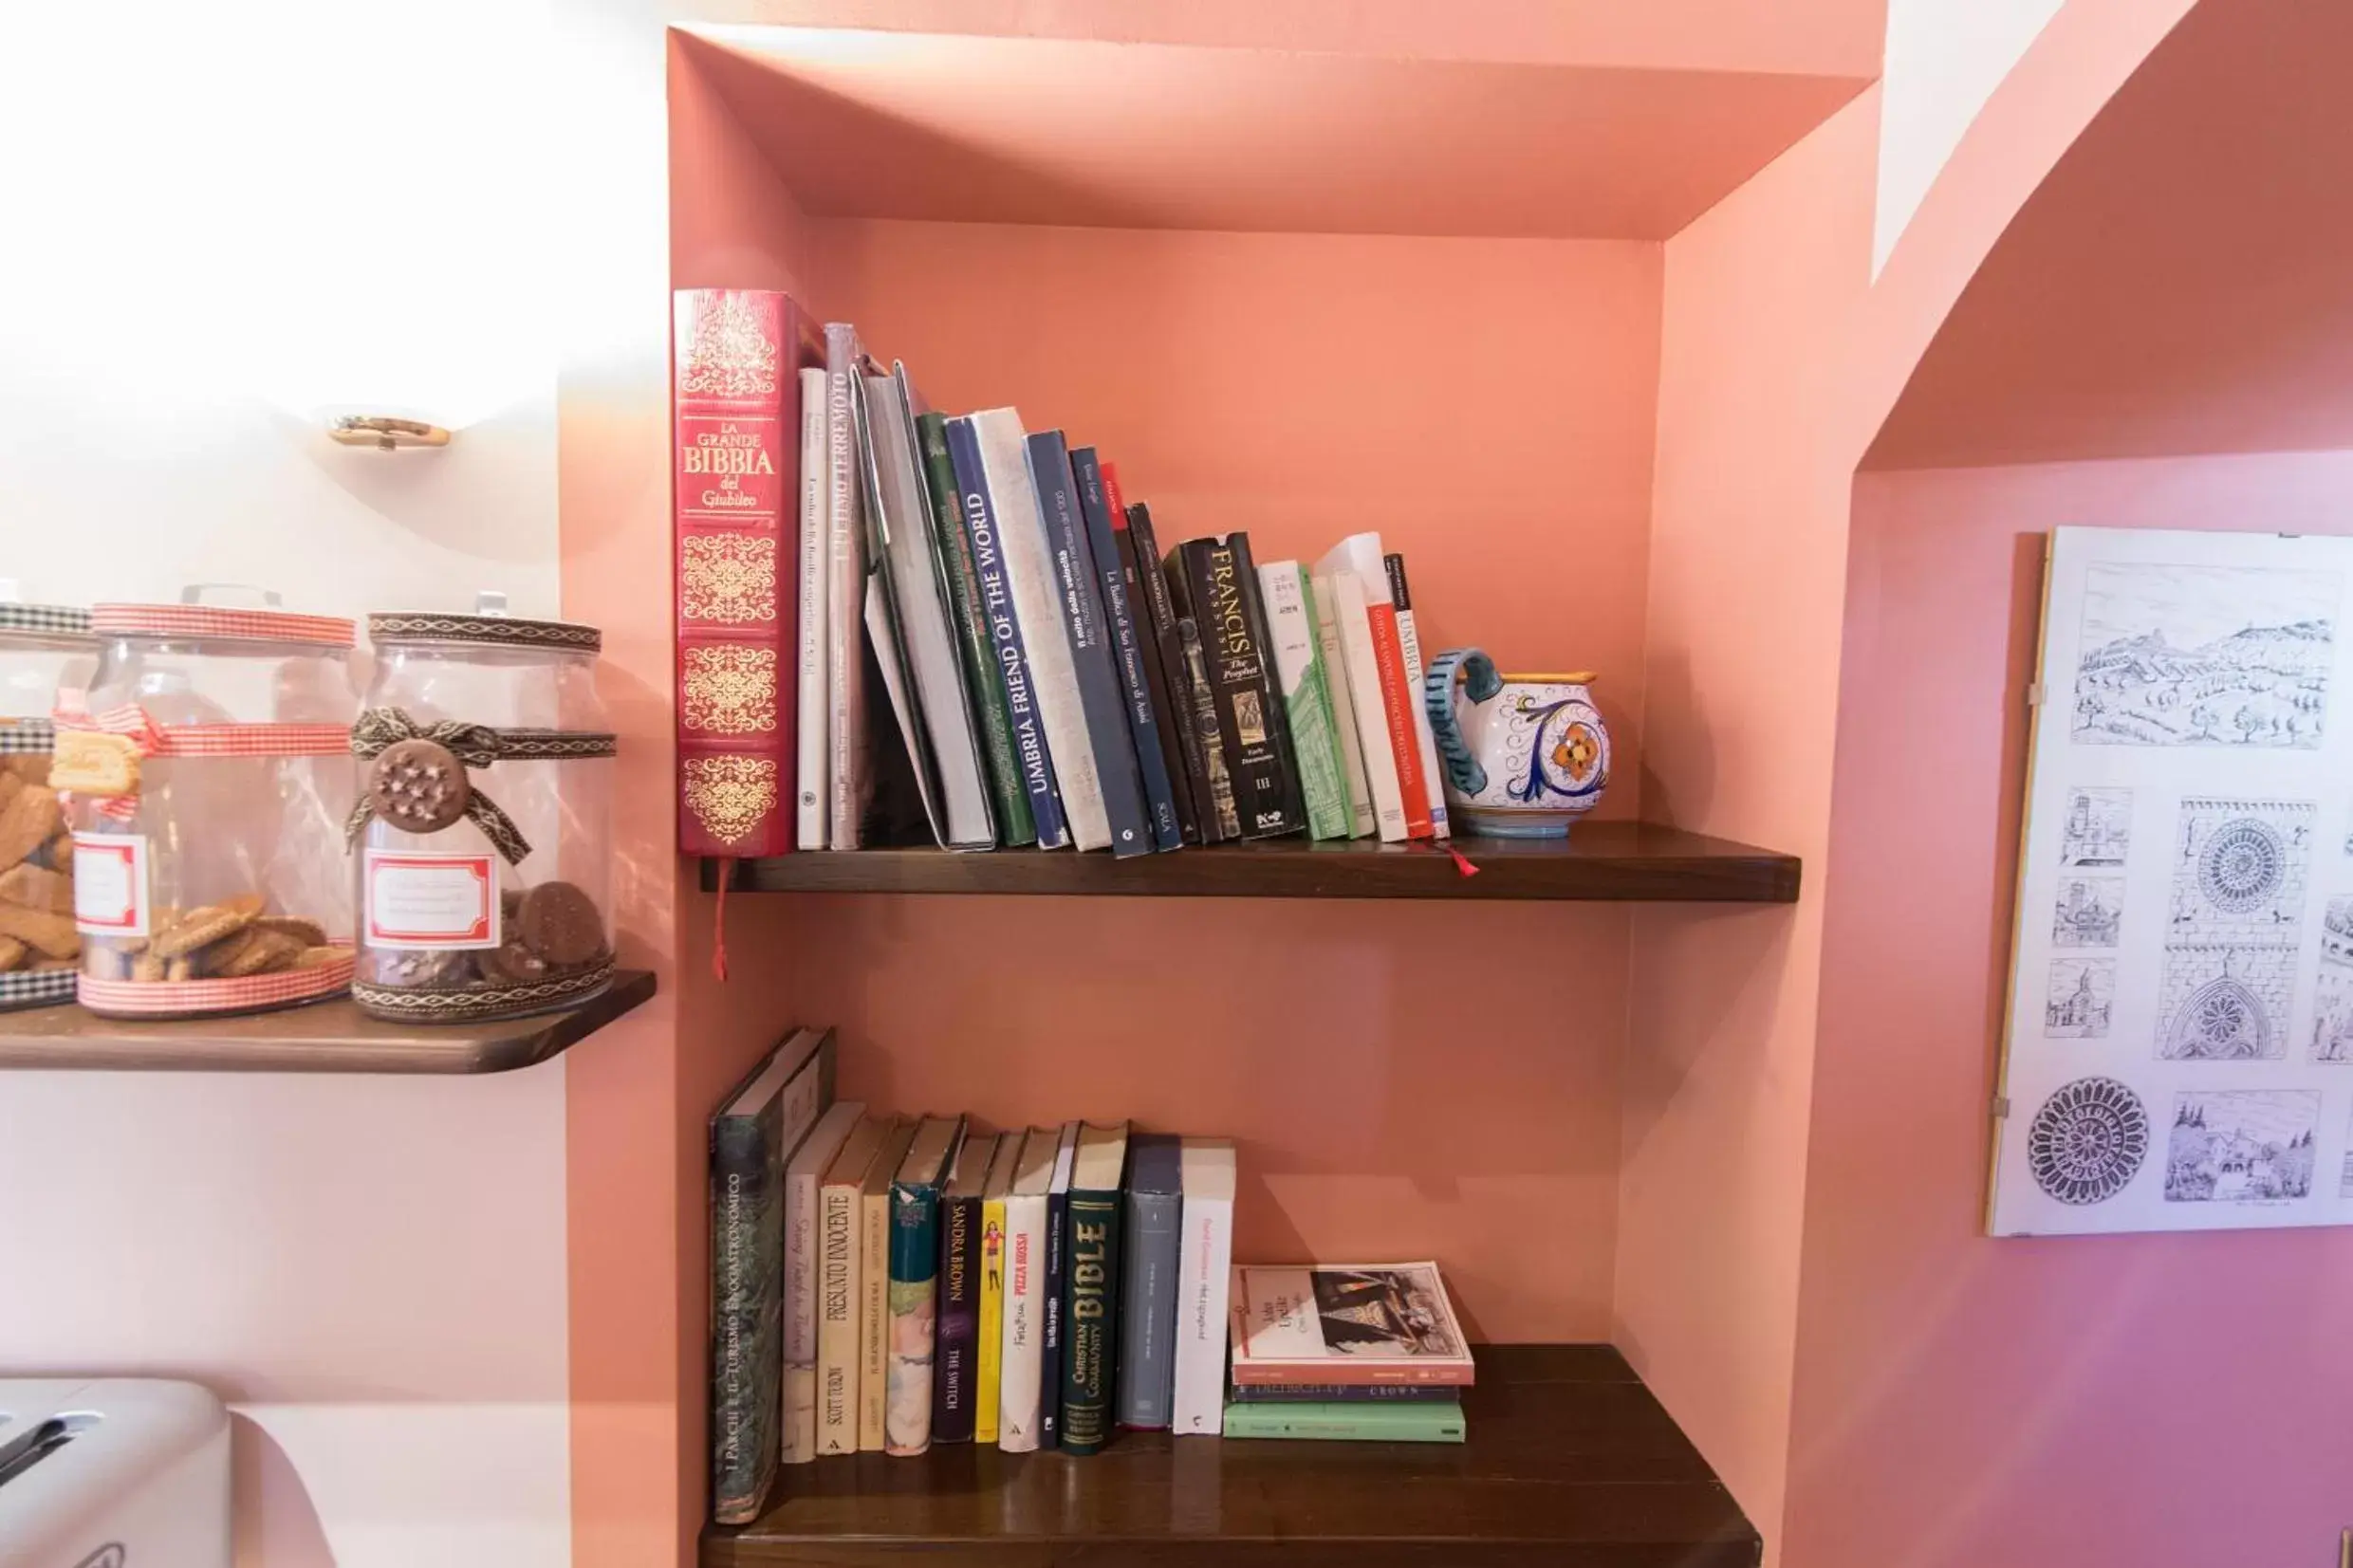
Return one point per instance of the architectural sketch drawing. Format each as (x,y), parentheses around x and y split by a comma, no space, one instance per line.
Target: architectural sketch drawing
(2232,930)
(2088,1140)
(2099,827)
(2204,655)
(2090,912)
(2241,1146)
(2333,989)
(2345,1178)
(2082,995)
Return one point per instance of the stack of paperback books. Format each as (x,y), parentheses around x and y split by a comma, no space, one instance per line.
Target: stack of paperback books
(1054,678)
(882,1283)
(1362,1352)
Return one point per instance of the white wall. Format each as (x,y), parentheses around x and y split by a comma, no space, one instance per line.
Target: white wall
(1944,59)
(212,217)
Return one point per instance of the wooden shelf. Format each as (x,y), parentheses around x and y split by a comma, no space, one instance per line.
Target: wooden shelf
(1570,1463)
(1599,860)
(326,1037)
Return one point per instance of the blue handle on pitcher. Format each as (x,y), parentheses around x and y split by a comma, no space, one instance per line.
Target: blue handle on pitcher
(1438,697)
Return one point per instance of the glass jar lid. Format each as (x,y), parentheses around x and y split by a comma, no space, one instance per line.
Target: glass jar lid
(193,622)
(413,628)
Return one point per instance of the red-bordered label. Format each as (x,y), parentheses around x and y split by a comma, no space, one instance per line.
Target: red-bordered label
(110,883)
(424,901)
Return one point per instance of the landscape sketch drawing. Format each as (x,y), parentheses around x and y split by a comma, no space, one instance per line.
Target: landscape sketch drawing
(2241,1146)
(2204,655)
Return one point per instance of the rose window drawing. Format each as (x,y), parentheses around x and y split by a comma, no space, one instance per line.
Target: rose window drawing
(2242,865)
(2222,1021)
(2088,1140)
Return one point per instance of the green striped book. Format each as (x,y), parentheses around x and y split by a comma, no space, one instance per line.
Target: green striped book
(1298,659)
(984,675)
(1401,1421)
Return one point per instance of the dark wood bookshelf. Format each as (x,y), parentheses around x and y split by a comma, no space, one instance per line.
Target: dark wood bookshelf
(1570,1463)
(324,1037)
(1599,860)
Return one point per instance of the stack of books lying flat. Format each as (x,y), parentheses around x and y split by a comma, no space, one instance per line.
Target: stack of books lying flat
(1369,1352)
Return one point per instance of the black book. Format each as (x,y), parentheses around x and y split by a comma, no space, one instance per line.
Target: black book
(1139,558)
(1091,1307)
(1218,587)
(1057,1277)
(1113,553)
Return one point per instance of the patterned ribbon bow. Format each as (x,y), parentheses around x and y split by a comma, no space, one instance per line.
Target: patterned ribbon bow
(473,744)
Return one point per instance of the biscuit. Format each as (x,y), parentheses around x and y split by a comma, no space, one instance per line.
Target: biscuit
(32,766)
(316,957)
(29,819)
(99,765)
(51,936)
(58,853)
(201,927)
(310,932)
(418,785)
(36,888)
(258,952)
(51,965)
(561,923)
(12,953)
(147,970)
(512,964)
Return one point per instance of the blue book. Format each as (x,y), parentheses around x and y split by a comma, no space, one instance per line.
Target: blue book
(1128,650)
(1100,697)
(996,602)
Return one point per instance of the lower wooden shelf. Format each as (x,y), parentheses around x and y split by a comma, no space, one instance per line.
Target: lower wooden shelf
(324,1037)
(1570,1463)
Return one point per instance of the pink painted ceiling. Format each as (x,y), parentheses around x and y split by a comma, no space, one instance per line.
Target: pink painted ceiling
(2183,281)
(1082,132)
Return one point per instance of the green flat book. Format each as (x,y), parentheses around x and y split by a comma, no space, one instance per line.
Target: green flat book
(1405,1421)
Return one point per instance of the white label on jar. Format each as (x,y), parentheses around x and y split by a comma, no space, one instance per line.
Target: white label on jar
(110,883)
(424,901)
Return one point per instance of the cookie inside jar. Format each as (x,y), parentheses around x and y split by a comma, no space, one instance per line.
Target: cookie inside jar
(481,835)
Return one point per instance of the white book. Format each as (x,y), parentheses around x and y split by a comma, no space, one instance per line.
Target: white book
(1361,554)
(847,783)
(1360,819)
(1372,723)
(1037,596)
(1409,644)
(805,1174)
(1204,1260)
(1022,1361)
(812,815)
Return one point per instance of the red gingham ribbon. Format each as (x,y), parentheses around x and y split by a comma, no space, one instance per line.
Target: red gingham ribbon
(202,740)
(210,621)
(194,996)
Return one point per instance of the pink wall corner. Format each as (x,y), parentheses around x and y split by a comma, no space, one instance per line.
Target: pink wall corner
(639,1093)
(1966,1400)
(1747,565)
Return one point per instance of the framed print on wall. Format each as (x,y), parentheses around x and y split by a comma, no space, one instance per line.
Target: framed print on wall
(2177,1053)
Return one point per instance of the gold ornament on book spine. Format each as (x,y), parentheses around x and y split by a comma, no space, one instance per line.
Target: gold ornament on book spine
(729,579)
(730,795)
(728,356)
(731,691)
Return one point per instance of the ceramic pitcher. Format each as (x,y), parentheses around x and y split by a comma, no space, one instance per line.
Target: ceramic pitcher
(1524,756)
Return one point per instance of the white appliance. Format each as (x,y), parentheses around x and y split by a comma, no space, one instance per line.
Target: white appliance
(112,1472)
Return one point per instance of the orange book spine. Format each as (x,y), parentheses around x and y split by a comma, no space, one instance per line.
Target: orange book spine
(1397,699)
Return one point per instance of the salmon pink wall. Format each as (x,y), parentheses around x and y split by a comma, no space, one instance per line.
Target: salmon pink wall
(1405,1082)
(1964,1401)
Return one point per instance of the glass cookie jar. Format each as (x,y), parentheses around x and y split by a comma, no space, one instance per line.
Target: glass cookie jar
(209,775)
(45,650)
(484,826)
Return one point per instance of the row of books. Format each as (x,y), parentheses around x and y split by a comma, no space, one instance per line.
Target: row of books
(1055,678)
(882,1283)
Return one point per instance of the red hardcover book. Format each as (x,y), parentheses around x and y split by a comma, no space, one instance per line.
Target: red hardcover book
(736,359)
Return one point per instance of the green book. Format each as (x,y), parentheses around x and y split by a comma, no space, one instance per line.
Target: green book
(914,1311)
(1298,661)
(1399,1421)
(1006,792)
(1090,1343)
